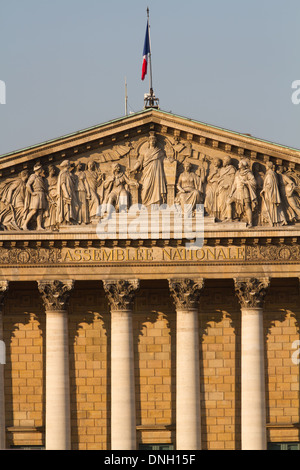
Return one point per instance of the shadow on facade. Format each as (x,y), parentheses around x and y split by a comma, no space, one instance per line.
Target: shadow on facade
(89,324)
(218,294)
(22,308)
(155,363)
(281,310)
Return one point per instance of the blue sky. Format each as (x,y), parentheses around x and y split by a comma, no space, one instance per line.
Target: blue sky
(226,63)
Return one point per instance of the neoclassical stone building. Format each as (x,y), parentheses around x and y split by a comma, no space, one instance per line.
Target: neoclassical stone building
(124,332)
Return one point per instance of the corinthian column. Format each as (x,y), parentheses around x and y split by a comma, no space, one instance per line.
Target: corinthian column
(120,295)
(186,293)
(55,295)
(251,293)
(3,292)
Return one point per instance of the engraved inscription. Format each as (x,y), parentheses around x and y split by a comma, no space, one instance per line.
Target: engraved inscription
(206,254)
(121,255)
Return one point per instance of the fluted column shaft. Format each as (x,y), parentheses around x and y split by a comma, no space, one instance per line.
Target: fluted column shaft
(123,409)
(58,420)
(251,294)
(3,292)
(186,294)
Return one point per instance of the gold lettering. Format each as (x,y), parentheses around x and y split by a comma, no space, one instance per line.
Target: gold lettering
(120,255)
(107,257)
(131,254)
(127,254)
(78,254)
(222,254)
(135,255)
(167,253)
(241,252)
(149,254)
(200,254)
(189,254)
(96,255)
(68,256)
(211,252)
(88,254)
(177,254)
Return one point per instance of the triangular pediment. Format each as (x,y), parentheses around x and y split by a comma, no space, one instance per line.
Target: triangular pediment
(207,148)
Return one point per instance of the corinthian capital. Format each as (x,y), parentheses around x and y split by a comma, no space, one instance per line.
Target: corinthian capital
(121,293)
(3,292)
(186,292)
(251,292)
(55,294)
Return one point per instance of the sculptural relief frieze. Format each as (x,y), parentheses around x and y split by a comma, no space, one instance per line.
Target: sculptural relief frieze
(149,170)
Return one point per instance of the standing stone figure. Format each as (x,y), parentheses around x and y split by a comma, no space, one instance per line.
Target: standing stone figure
(12,201)
(227,175)
(272,210)
(211,203)
(201,173)
(154,188)
(94,179)
(67,205)
(243,192)
(259,178)
(36,198)
(289,197)
(83,194)
(50,221)
(188,184)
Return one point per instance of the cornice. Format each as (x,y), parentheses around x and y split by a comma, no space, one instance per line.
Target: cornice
(128,127)
(90,239)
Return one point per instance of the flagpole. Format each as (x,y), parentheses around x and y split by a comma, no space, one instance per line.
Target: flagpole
(150,63)
(150,100)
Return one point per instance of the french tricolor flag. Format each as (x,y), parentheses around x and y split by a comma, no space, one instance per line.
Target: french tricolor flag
(146,52)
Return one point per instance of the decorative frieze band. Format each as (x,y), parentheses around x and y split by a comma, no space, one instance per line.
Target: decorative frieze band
(121,293)
(56,294)
(251,292)
(217,251)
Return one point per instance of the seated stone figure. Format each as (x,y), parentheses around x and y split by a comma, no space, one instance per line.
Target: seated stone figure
(116,191)
(188,188)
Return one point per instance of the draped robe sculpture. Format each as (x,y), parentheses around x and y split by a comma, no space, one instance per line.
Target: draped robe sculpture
(213,178)
(188,192)
(289,196)
(227,175)
(243,192)
(36,198)
(265,195)
(153,181)
(67,207)
(12,201)
(272,205)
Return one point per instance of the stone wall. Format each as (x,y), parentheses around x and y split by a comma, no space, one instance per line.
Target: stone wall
(154,327)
